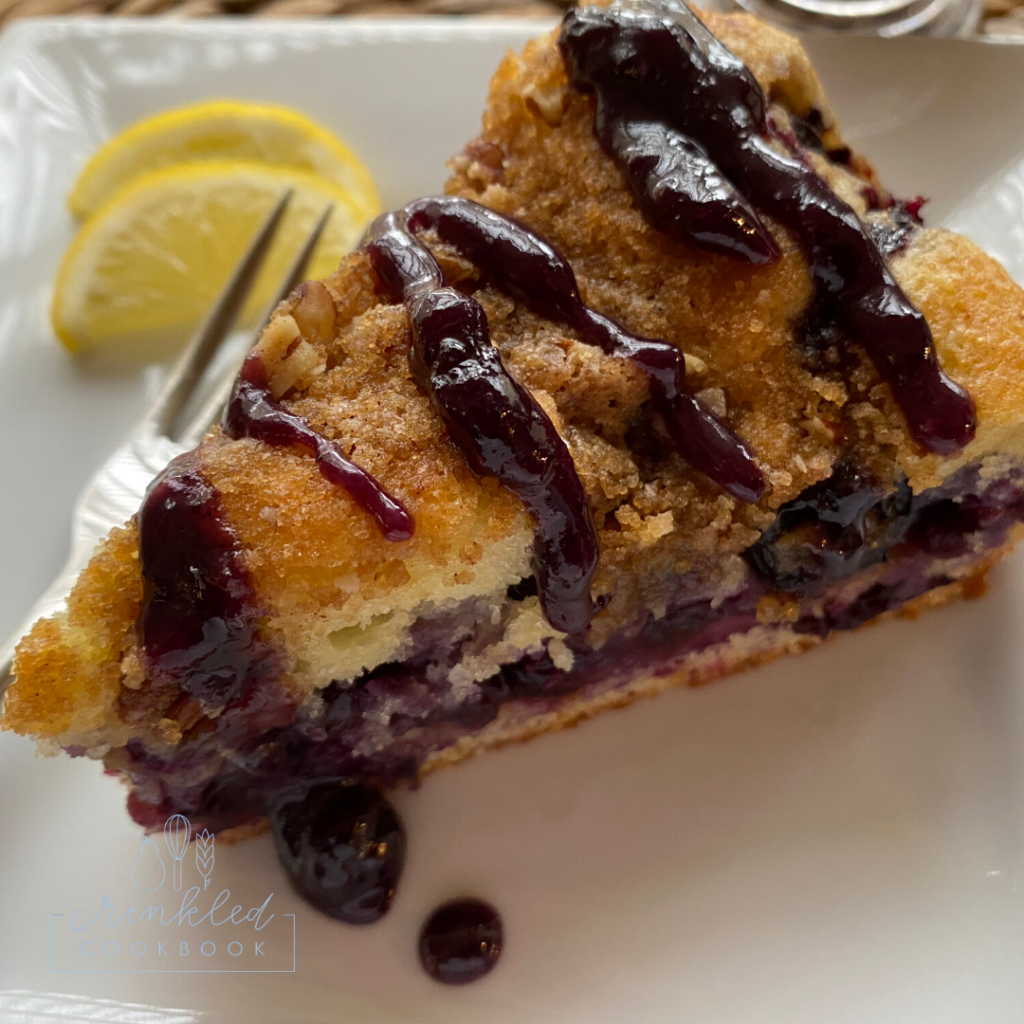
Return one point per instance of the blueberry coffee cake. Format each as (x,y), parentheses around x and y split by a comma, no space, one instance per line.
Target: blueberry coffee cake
(665,385)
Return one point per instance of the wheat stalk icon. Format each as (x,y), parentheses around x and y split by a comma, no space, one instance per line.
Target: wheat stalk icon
(204,856)
(177,832)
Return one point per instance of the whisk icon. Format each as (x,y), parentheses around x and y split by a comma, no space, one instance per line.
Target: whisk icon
(177,832)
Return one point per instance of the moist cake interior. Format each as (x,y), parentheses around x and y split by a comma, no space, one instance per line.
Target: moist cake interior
(282,618)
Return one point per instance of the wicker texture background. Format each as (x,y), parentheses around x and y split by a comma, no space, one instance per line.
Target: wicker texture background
(1004,17)
(1001,17)
(11,9)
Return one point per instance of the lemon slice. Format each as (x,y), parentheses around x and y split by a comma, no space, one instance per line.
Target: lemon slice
(221,130)
(152,260)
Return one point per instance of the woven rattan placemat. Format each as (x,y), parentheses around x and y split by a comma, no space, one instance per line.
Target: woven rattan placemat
(1001,17)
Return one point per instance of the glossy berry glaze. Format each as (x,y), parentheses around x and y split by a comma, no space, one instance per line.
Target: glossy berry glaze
(494,420)
(253,412)
(342,845)
(678,188)
(535,272)
(461,941)
(198,625)
(656,62)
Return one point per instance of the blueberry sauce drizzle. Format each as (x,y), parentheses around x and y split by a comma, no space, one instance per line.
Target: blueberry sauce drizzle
(253,412)
(534,271)
(495,422)
(198,625)
(654,59)
(679,190)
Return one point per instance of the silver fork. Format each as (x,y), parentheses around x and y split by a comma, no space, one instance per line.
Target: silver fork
(114,493)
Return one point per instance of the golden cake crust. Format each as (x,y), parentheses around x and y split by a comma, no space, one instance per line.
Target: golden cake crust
(69,668)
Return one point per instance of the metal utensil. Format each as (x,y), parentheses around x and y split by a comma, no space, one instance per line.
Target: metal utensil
(871,17)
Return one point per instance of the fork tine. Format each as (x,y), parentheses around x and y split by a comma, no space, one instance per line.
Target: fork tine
(193,433)
(204,343)
(297,272)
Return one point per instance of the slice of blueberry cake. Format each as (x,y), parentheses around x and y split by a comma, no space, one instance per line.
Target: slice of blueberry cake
(666,385)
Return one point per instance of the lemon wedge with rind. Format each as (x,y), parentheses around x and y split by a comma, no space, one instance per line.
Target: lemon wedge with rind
(222,130)
(151,261)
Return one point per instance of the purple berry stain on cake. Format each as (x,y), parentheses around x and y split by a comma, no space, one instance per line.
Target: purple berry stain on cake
(384,724)
(461,941)
(198,625)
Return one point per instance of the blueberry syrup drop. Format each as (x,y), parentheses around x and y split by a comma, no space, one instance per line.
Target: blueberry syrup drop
(342,845)
(656,59)
(253,412)
(198,625)
(461,941)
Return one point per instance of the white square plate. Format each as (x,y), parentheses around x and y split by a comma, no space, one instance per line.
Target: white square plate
(836,839)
